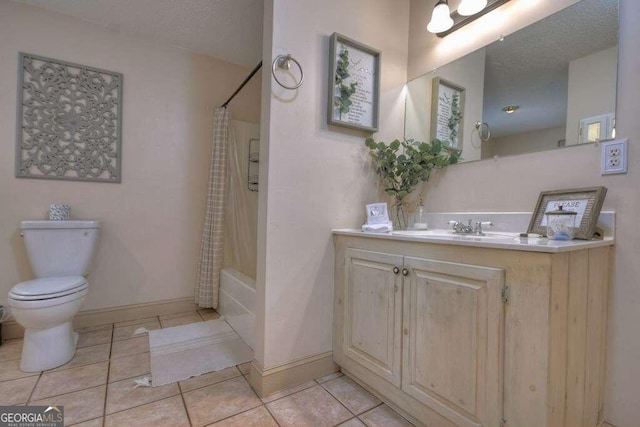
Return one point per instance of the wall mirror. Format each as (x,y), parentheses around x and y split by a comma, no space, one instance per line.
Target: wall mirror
(549,85)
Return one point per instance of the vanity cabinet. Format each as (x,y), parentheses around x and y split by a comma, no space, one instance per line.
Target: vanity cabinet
(473,336)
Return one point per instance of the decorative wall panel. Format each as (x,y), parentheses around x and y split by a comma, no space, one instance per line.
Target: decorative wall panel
(69,121)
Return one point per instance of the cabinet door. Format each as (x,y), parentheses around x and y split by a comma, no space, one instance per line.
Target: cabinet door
(373,312)
(453,344)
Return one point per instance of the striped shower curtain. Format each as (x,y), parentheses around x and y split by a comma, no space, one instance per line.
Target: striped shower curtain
(211,248)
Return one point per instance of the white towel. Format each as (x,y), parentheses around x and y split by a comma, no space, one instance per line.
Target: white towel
(386,227)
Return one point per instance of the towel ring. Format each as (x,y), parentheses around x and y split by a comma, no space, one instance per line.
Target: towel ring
(479,126)
(284,62)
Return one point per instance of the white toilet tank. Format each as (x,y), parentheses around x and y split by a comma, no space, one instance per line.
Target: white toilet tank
(60,248)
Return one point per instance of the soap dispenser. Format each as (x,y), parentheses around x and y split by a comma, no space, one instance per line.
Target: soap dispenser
(420,217)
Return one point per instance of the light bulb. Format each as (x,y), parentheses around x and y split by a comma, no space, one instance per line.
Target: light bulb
(440,19)
(471,7)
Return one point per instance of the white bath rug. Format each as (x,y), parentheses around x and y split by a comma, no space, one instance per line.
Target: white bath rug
(183,352)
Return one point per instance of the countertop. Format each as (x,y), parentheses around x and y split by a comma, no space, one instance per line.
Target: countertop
(511,243)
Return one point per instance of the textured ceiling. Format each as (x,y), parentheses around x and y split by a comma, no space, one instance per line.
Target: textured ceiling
(530,67)
(226,29)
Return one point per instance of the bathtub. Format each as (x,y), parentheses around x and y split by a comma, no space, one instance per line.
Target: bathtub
(237,302)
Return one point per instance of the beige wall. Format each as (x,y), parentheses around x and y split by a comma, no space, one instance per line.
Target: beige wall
(592,89)
(513,184)
(152,221)
(538,140)
(318,177)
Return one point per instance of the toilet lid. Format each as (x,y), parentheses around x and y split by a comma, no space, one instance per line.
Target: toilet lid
(48,287)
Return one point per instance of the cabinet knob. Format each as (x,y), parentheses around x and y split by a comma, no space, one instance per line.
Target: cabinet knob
(396,270)
(406,331)
(405,272)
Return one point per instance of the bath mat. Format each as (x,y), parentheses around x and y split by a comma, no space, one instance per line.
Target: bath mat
(183,352)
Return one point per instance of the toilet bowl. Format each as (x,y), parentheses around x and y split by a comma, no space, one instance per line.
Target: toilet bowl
(45,308)
(59,253)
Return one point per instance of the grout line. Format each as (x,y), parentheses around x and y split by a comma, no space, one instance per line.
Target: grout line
(339,401)
(34,388)
(184,405)
(241,412)
(271,413)
(210,384)
(106,388)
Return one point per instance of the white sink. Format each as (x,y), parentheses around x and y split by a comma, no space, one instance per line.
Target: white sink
(488,235)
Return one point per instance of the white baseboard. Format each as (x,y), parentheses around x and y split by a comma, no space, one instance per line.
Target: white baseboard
(11,329)
(269,381)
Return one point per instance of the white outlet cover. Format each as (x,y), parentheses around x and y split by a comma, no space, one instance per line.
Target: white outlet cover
(605,166)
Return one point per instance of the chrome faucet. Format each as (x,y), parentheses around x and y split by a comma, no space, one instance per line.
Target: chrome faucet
(460,227)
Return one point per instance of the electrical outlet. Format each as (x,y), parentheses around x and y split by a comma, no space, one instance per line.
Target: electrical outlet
(614,157)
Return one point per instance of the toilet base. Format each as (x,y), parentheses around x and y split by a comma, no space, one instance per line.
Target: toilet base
(48,348)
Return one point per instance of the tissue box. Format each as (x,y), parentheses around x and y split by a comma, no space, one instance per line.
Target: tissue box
(59,212)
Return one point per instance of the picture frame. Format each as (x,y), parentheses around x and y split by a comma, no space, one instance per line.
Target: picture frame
(586,202)
(447,112)
(56,134)
(354,84)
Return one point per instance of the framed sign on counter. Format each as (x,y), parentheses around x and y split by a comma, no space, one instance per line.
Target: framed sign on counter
(354,84)
(447,112)
(586,202)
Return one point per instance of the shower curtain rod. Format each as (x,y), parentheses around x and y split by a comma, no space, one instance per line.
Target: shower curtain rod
(255,70)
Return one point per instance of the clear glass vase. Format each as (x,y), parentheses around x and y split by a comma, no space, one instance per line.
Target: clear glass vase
(400,220)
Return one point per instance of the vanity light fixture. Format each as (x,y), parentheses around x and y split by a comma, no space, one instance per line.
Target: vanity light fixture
(471,7)
(440,18)
(510,109)
(468,11)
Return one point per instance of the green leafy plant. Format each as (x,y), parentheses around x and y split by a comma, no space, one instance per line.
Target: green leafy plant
(343,100)
(455,118)
(401,165)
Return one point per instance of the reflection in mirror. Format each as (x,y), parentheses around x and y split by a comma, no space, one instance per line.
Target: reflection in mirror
(550,85)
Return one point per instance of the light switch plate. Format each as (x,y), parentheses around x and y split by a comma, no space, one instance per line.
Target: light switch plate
(613,157)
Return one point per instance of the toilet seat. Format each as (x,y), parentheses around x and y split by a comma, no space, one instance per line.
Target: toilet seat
(47,288)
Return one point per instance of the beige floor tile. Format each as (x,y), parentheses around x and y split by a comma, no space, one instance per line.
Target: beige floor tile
(384,416)
(351,395)
(11,350)
(218,401)
(126,332)
(258,417)
(16,391)
(353,422)
(131,346)
(87,339)
(208,379)
(245,368)
(129,366)
(287,392)
(96,422)
(313,407)
(168,412)
(179,321)
(10,370)
(79,406)
(87,356)
(135,322)
(329,377)
(69,380)
(124,394)
(94,328)
(208,314)
(176,315)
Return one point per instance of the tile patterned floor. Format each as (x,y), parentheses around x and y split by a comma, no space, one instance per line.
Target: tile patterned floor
(97,388)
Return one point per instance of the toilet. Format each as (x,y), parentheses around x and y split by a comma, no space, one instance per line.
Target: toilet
(59,253)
